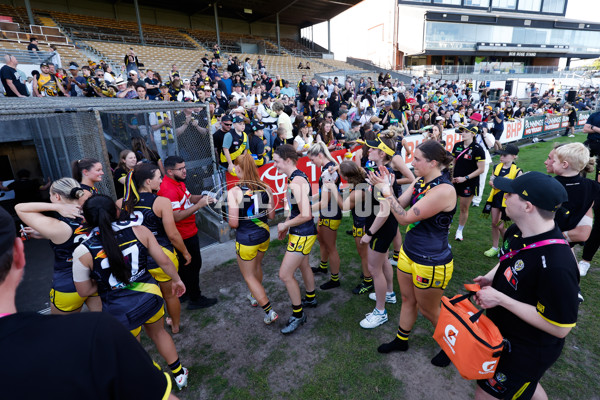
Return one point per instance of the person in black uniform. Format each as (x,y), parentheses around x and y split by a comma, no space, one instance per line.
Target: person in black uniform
(352,173)
(302,236)
(496,203)
(330,214)
(256,144)
(250,205)
(381,227)
(93,348)
(155,212)
(88,172)
(65,231)
(521,292)
(235,143)
(468,165)
(114,262)
(425,265)
(592,128)
(575,217)
(127,160)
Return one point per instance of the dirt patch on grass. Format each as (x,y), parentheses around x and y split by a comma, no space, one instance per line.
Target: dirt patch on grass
(232,354)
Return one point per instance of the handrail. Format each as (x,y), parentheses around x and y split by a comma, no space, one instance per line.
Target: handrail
(27,56)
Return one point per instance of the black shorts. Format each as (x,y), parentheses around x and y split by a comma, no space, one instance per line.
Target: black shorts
(468,188)
(519,371)
(497,133)
(381,241)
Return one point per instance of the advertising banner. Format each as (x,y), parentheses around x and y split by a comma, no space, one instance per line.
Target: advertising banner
(582,117)
(513,131)
(278,182)
(552,123)
(533,126)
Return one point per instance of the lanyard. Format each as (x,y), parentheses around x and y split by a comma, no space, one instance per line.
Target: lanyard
(533,245)
(5,314)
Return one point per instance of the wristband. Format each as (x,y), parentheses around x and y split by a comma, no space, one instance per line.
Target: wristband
(467,178)
(368,232)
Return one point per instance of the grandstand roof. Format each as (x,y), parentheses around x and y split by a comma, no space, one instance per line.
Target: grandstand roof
(300,13)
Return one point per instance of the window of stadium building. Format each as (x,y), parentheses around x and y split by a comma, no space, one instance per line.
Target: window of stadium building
(477,3)
(449,2)
(439,34)
(554,6)
(530,5)
(505,4)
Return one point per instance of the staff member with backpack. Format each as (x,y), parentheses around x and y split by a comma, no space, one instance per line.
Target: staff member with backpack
(531,295)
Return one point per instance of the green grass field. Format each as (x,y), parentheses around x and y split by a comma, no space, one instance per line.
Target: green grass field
(232,355)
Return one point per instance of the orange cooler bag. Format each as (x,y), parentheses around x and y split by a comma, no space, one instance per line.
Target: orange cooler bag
(470,339)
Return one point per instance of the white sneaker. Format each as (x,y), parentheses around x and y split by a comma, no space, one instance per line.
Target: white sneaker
(389,297)
(253,301)
(458,236)
(571,135)
(182,379)
(584,266)
(271,317)
(374,319)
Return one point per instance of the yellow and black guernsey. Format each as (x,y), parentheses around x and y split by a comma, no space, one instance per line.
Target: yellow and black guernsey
(332,211)
(381,240)
(131,303)
(239,144)
(47,85)
(62,278)
(253,214)
(426,241)
(142,212)
(307,228)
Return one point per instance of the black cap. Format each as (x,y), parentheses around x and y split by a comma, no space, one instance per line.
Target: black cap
(219,111)
(237,85)
(7,231)
(474,129)
(509,149)
(238,119)
(541,190)
(226,118)
(162,85)
(257,126)
(44,64)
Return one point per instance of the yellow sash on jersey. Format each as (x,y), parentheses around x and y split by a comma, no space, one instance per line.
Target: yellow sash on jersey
(512,174)
(236,153)
(166,133)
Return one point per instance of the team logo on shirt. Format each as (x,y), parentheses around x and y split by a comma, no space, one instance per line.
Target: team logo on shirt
(511,277)
(519,265)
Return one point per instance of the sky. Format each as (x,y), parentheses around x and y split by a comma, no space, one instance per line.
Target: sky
(587,10)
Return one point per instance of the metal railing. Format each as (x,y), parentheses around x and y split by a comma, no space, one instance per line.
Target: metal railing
(28,57)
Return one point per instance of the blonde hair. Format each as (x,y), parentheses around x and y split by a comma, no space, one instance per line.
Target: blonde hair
(320,148)
(577,155)
(68,188)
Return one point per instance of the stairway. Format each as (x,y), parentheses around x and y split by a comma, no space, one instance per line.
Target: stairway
(195,42)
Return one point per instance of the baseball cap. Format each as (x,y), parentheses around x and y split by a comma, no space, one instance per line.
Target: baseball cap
(257,126)
(509,149)
(541,190)
(476,117)
(471,128)
(73,65)
(7,231)
(322,101)
(237,119)
(162,85)
(44,64)
(226,118)
(387,104)
(378,144)
(237,85)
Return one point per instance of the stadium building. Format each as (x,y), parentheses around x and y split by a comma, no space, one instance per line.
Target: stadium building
(507,35)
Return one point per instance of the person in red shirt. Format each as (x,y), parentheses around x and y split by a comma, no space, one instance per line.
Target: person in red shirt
(185,205)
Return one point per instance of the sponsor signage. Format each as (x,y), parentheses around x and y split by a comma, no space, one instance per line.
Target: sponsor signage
(533,125)
(552,122)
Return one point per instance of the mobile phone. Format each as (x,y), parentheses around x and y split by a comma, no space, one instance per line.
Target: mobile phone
(24,236)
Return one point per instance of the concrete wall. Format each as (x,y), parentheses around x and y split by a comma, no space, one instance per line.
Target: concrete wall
(157,16)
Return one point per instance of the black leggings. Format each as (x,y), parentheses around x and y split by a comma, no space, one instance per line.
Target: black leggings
(190,274)
(593,243)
